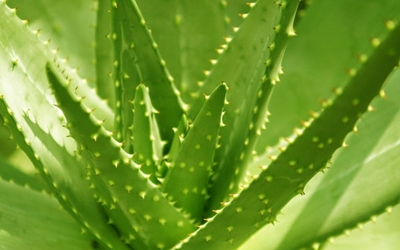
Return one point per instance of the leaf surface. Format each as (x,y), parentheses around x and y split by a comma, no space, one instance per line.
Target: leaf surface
(286,177)
(144,217)
(22,210)
(187,179)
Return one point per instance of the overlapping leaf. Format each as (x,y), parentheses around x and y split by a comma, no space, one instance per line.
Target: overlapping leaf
(135,205)
(23,209)
(22,107)
(187,179)
(286,177)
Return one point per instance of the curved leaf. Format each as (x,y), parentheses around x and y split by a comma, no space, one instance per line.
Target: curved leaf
(286,177)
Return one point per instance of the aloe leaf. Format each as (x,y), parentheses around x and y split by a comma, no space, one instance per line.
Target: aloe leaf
(16,62)
(12,174)
(193,18)
(245,46)
(340,201)
(126,78)
(381,233)
(349,203)
(180,133)
(161,19)
(146,137)
(104,53)
(260,203)
(8,146)
(74,36)
(22,108)
(76,198)
(23,210)
(330,33)
(239,137)
(133,202)
(135,41)
(186,182)
(233,11)
(301,83)
(191,29)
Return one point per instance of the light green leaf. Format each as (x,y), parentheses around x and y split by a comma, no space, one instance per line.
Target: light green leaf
(139,61)
(284,178)
(22,61)
(191,29)
(74,37)
(145,135)
(338,201)
(33,220)
(135,205)
(186,182)
(250,64)
(12,174)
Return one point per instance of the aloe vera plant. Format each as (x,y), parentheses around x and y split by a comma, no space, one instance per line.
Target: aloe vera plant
(131,124)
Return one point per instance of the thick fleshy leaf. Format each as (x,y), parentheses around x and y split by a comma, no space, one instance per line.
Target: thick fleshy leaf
(186,182)
(12,174)
(33,220)
(74,37)
(146,138)
(251,78)
(104,52)
(144,217)
(191,29)
(137,60)
(285,177)
(338,201)
(22,106)
(300,91)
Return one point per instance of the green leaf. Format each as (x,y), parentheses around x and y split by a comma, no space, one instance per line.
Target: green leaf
(331,37)
(180,133)
(22,106)
(338,201)
(326,38)
(67,184)
(133,40)
(72,36)
(380,234)
(33,220)
(252,79)
(191,29)
(134,204)
(260,203)
(233,11)
(146,138)
(104,53)
(7,144)
(10,173)
(186,182)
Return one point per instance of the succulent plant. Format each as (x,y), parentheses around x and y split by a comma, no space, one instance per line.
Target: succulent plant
(156,125)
